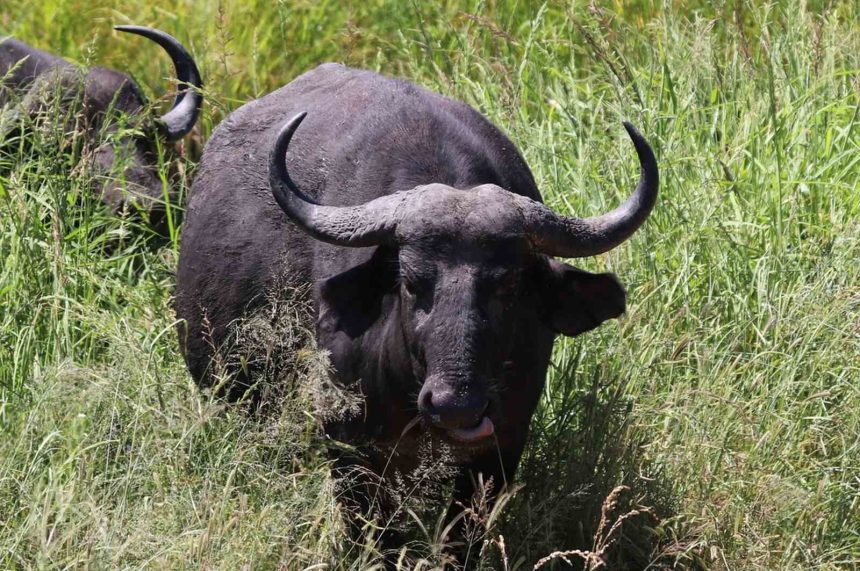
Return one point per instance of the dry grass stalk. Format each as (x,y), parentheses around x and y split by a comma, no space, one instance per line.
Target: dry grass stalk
(610,548)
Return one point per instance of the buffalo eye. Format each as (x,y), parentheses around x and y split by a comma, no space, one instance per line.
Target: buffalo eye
(416,288)
(420,295)
(411,287)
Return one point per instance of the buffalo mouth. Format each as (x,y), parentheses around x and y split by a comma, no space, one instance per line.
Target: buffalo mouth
(484,429)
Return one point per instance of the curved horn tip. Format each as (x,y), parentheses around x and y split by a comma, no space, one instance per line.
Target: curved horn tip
(277,158)
(133,29)
(631,130)
(643,149)
(296,120)
(580,238)
(179,121)
(287,131)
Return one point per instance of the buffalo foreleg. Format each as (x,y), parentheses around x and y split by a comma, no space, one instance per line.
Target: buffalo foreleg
(476,492)
(365,507)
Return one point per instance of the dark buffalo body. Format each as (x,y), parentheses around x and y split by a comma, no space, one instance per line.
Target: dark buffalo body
(23,64)
(434,291)
(34,83)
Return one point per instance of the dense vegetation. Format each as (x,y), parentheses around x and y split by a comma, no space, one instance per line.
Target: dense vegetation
(728,398)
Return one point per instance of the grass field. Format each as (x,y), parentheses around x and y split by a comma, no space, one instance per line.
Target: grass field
(728,397)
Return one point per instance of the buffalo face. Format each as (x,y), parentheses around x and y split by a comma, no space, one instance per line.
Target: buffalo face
(462,285)
(470,280)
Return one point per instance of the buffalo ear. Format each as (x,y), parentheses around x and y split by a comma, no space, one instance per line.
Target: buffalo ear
(576,301)
(351,301)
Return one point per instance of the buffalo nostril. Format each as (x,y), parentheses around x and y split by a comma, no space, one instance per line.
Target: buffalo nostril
(425,402)
(451,412)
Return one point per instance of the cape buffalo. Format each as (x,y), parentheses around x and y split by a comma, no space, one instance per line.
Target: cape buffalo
(421,234)
(32,82)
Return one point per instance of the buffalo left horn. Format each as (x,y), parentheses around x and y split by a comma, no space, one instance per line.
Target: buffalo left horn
(557,235)
(177,122)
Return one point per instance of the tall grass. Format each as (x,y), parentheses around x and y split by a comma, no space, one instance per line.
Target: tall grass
(728,397)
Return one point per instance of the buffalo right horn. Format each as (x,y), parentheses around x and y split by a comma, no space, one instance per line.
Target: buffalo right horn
(368,224)
(177,122)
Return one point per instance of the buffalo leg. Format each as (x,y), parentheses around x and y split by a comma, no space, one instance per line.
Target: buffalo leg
(469,531)
(364,505)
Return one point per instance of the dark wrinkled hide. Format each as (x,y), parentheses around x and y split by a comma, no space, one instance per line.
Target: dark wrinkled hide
(462,300)
(127,168)
(29,63)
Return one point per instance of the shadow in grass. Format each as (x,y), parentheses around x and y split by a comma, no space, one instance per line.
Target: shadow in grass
(588,500)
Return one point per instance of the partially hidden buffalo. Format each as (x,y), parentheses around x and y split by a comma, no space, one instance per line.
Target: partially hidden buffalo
(34,82)
(421,234)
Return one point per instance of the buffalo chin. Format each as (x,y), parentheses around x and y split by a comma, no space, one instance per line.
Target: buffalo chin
(482,431)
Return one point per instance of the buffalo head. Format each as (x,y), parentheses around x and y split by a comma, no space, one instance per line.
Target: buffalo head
(98,102)
(474,265)
(134,156)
